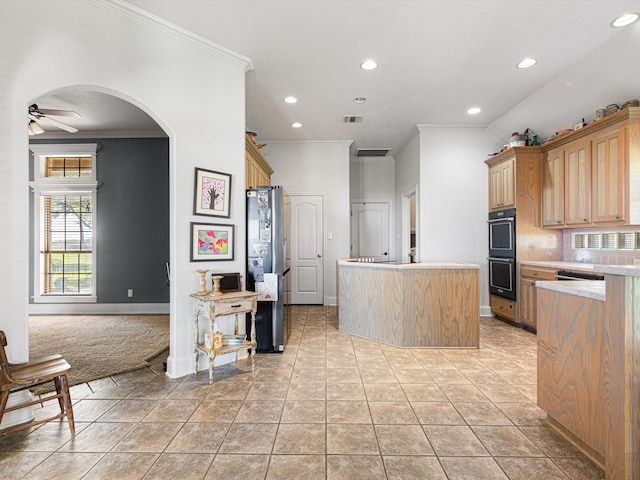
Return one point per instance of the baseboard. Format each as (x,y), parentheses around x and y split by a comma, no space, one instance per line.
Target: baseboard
(99,309)
(485,311)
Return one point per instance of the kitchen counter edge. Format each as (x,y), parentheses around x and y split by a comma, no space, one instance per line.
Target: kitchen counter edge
(345,262)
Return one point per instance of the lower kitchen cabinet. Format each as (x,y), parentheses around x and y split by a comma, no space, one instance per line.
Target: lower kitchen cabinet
(503,307)
(528,297)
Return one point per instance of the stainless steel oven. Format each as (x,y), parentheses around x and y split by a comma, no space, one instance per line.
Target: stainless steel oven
(502,233)
(502,277)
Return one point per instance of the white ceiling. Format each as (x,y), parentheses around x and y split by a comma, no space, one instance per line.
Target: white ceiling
(436,59)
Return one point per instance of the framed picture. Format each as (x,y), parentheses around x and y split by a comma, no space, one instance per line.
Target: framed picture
(212,193)
(211,242)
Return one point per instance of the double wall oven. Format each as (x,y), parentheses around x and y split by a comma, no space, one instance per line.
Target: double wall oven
(502,253)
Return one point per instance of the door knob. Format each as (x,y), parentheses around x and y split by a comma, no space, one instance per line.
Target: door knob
(319,255)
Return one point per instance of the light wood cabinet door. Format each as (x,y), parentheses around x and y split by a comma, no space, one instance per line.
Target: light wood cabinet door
(528,293)
(553,189)
(609,176)
(577,164)
(527,302)
(502,185)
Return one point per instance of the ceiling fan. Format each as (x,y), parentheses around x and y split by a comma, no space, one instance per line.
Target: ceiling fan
(38,115)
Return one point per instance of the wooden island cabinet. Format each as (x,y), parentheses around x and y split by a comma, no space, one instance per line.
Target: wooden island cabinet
(589,366)
(410,305)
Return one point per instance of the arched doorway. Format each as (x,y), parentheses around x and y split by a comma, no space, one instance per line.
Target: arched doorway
(125,227)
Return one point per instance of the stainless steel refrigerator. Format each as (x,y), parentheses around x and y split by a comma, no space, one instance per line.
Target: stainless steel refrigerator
(267,232)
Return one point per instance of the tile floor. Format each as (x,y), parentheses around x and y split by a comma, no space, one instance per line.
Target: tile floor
(332,406)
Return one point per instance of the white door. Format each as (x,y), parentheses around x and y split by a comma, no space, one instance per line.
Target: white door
(307,256)
(370,230)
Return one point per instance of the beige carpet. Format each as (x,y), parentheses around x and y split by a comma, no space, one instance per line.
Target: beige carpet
(98,346)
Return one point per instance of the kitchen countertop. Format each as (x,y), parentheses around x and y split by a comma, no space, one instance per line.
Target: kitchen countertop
(587,267)
(594,289)
(347,262)
(625,270)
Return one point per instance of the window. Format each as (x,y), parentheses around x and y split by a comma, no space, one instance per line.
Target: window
(64,222)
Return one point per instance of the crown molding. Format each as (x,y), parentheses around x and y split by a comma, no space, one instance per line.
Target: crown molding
(171,30)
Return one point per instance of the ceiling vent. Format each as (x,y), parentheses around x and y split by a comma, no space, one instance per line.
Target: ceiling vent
(352,119)
(372,152)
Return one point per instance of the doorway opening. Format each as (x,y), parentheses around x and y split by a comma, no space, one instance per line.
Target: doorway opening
(410,226)
(127,264)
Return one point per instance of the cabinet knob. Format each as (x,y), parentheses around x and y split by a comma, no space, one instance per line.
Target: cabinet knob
(535,274)
(559,221)
(617,217)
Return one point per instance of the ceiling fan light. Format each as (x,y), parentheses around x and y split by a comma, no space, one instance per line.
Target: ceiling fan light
(34,128)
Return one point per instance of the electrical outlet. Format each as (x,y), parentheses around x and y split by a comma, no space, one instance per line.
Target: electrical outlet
(130,293)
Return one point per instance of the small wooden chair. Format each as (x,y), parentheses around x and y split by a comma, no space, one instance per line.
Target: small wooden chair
(19,376)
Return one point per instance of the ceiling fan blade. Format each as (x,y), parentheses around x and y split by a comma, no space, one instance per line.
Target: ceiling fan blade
(53,121)
(58,113)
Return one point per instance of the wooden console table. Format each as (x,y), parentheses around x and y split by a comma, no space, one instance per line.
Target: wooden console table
(213,306)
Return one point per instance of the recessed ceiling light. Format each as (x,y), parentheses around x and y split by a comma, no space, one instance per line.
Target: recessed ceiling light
(527,62)
(368,65)
(296,125)
(360,99)
(291,99)
(473,110)
(624,20)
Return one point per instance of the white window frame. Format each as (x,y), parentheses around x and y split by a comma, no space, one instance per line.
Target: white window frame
(43,185)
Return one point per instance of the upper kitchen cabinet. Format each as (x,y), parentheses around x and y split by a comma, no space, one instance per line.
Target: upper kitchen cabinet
(609,175)
(502,185)
(577,178)
(258,171)
(553,188)
(591,177)
(514,178)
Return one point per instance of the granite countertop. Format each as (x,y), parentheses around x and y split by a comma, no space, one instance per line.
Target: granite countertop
(594,289)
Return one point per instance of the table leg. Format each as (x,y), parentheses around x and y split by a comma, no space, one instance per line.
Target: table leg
(212,359)
(253,339)
(195,339)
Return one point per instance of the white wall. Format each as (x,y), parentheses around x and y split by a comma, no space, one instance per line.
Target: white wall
(407,178)
(320,168)
(172,79)
(372,179)
(453,197)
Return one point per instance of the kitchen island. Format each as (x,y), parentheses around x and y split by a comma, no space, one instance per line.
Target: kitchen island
(412,304)
(589,365)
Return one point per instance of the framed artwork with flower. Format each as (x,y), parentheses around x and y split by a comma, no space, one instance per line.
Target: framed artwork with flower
(211,242)
(212,193)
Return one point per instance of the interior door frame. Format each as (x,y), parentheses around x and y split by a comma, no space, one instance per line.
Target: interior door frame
(405,236)
(323,236)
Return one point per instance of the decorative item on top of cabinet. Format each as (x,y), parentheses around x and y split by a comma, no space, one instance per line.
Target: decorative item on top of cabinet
(592,176)
(258,171)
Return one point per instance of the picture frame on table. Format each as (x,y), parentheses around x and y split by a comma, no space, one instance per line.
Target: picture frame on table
(210,242)
(212,193)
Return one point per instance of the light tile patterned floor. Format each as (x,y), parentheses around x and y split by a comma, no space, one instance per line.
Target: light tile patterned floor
(332,406)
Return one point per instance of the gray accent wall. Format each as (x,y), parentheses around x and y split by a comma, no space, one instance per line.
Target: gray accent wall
(132,231)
